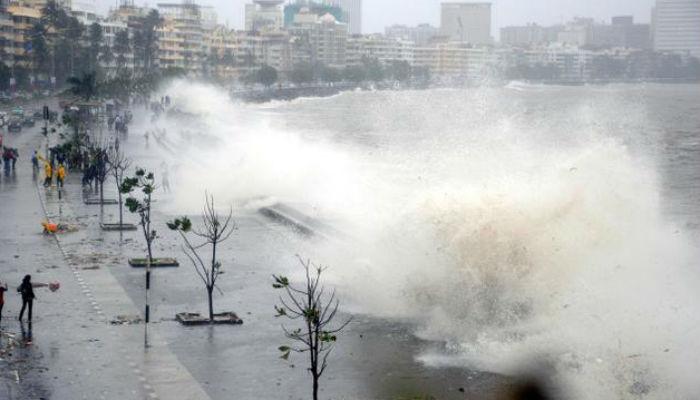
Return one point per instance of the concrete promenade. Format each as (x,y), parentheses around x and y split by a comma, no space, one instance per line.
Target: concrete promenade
(75,352)
(71,350)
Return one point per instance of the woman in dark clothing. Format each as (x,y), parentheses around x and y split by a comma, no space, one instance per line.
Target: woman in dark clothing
(27,292)
(3,289)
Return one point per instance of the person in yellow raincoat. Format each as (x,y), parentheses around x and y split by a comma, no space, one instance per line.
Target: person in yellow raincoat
(48,171)
(60,175)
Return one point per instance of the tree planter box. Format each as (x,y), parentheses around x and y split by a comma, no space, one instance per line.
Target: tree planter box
(225,318)
(92,202)
(156,263)
(118,227)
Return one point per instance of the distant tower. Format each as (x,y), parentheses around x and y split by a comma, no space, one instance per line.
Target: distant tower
(677,26)
(264,14)
(466,22)
(353,8)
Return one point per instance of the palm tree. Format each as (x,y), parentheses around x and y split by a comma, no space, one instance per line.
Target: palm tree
(150,39)
(85,87)
(54,20)
(106,57)
(40,51)
(95,38)
(121,48)
(52,15)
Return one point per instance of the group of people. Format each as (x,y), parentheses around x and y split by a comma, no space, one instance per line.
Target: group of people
(120,123)
(50,170)
(9,158)
(26,290)
(95,169)
(159,107)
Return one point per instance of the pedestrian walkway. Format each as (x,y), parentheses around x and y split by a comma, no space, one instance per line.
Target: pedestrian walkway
(73,351)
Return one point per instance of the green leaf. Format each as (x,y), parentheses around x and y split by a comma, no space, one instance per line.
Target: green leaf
(186,224)
(284,348)
(280,282)
(173,225)
(327,337)
(132,204)
(281,312)
(140,172)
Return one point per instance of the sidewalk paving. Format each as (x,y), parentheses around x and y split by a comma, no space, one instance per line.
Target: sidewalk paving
(72,351)
(77,353)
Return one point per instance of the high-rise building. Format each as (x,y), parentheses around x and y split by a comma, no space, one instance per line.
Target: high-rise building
(19,43)
(529,35)
(677,26)
(466,22)
(180,36)
(378,47)
(264,15)
(420,35)
(6,34)
(315,6)
(323,39)
(636,36)
(353,8)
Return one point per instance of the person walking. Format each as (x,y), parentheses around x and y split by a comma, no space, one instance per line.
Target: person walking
(3,289)
(48,171)
(26,289)
(15,156)
(60,175)
(35,161)
(7,158)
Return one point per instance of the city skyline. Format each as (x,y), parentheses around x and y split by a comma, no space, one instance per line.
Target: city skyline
(379,14)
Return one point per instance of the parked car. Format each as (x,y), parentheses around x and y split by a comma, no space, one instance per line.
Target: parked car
(18,112)
(15,125)
(28,122)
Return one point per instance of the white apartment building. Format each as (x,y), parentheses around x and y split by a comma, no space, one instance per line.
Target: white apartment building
(6,35)
(420,35)
(180,37)
(324,39)
(379,47)
(466,22)
(456,60)
(264,15)
(353,9)
(110,28)
(677,26)
(572,62)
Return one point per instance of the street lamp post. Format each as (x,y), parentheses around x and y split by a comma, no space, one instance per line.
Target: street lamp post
(45,131)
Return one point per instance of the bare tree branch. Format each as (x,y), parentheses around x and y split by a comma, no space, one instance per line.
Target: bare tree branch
(213,234)
(318,310)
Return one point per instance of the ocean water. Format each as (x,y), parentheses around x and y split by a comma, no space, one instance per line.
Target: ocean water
(526,227)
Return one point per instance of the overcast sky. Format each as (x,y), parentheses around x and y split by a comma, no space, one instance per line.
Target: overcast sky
(380,13)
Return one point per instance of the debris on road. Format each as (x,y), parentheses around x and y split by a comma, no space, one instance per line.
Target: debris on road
(126,320)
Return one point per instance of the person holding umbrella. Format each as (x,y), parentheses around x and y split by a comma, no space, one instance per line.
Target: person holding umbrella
(26,289)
